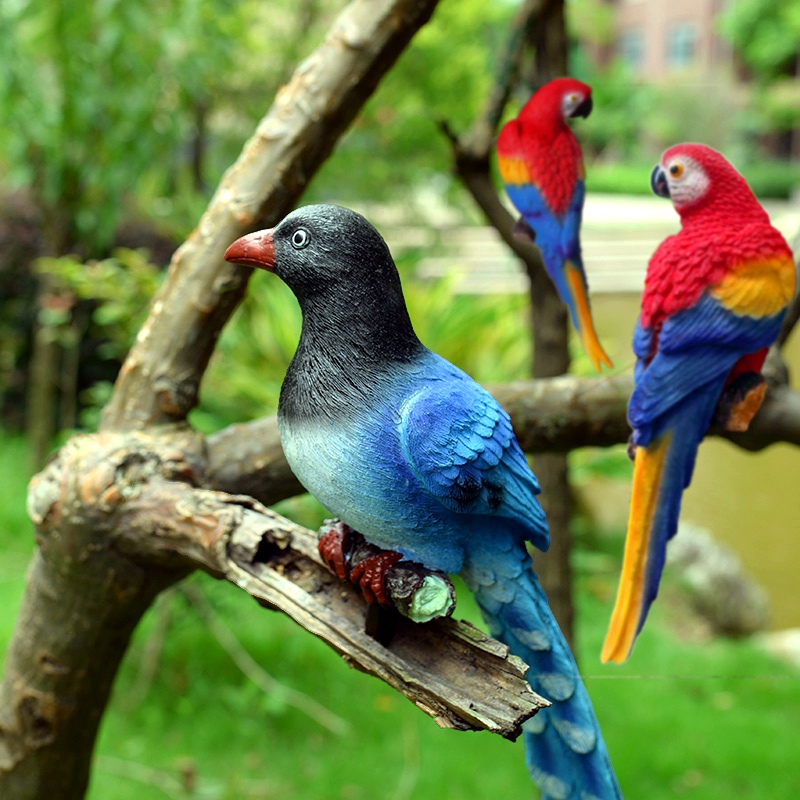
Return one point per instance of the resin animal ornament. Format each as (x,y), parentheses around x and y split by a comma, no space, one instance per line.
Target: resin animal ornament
(409,451)
(541,165)
(714,298)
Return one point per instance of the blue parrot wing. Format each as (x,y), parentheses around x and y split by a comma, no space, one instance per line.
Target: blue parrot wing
(571,223)
(460,445)
(643,341)
(557,236)
(528,200)
(696,346)
(710,323)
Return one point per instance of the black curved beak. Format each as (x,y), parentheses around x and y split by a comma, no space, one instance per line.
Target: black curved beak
(584,109)
(254,250)
(658,181)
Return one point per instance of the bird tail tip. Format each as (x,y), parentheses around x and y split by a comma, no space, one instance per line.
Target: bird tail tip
(578,304)
(639,580)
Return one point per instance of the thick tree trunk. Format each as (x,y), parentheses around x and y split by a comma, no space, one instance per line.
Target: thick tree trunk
(551,358)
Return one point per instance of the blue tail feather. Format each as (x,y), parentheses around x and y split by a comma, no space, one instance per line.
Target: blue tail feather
(687,429)
(564,748)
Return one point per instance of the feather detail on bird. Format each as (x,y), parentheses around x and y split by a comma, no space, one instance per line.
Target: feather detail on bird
(409,451)
(541,165)
(714,299)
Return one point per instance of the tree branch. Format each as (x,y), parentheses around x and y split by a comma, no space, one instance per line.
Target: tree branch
(159,380)
(158,522)
(549,415)
(791,318)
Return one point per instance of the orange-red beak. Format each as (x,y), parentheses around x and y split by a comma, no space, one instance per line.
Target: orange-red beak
(254,250)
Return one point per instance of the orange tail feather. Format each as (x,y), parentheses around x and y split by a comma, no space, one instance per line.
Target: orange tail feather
(582,315)
(647,478)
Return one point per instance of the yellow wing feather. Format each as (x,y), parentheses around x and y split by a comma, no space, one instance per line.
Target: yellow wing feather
(757,287)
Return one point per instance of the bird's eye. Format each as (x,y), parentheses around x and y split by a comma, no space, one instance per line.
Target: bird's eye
(574,97)
(300,238)
(676,170)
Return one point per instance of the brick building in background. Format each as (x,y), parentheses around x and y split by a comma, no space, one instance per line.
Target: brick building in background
(660,39)
(677,43)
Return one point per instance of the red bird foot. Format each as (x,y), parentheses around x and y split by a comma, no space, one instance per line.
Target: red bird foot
(333,548)
(370,575)
(351,558)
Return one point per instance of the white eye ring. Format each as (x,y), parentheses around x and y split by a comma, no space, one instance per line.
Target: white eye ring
(300,238)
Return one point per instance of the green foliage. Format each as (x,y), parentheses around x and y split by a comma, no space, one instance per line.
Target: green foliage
(684,717)
(772,179)
(488,336)
(635,122)
(109,103)
(767,179)
(100,304)
(244,376)
(766,33)
(614,130)
(629,177)
(16,534)
(95,93)
(120,288)
(591,21)
(444,75)
(589,463)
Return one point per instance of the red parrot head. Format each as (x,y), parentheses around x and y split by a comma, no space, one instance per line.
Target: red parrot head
(696,177)
(560,99)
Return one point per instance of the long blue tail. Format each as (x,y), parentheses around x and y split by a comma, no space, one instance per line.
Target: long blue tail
(564,749)
(663,467)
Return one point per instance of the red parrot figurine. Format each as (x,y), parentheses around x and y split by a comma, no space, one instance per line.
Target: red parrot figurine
(714,298)
(541,166)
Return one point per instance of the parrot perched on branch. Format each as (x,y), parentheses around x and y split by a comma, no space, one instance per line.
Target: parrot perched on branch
(407,450)
(714,298)
(541,166)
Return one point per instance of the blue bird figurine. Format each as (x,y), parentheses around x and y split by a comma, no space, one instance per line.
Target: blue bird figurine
(409,451)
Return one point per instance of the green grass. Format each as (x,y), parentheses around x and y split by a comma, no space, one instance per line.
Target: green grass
(682,719)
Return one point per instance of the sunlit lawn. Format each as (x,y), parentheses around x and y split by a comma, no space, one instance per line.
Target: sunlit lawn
(681,720)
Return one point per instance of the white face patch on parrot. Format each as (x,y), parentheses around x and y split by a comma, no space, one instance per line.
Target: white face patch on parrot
(687,180)
(570,102)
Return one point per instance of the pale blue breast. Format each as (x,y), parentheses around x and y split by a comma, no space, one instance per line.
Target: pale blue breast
(354,467)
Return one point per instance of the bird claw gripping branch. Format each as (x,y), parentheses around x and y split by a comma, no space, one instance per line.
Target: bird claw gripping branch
(382,576)
(740,401)
(351,558)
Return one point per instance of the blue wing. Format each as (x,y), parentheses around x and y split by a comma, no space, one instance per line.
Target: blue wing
(460,445)
(571,224)
(697,346)
(557,237)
